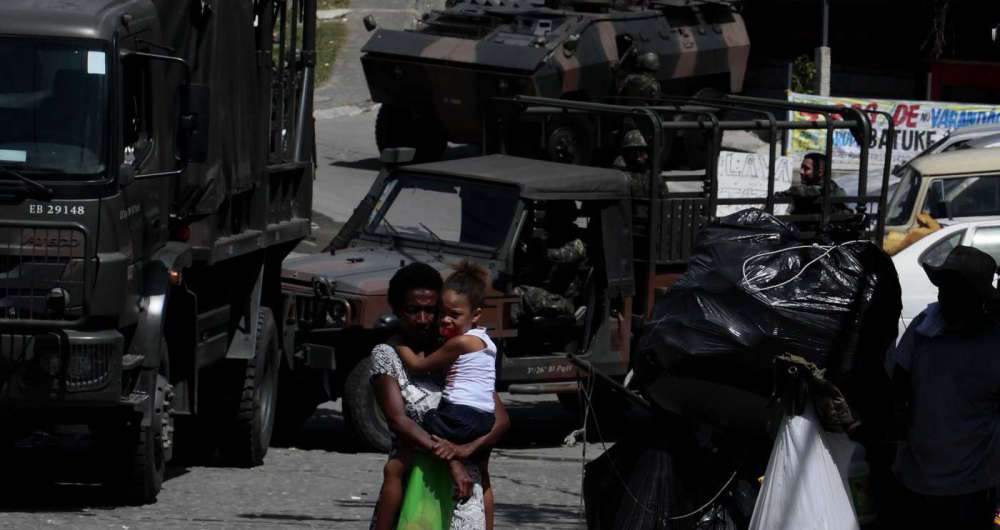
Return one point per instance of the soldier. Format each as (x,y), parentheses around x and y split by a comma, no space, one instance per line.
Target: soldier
(807,195)
(642,83)
(550,281)
(634,160)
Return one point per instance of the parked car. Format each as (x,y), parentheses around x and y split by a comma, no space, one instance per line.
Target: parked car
(972,137)
(918,291)
(950,187)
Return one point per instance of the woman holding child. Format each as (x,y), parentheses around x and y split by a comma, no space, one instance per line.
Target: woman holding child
(439,398)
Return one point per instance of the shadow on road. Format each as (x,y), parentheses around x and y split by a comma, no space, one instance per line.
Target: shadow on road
(372,163)
(517,514)
(325,431)
(58,480)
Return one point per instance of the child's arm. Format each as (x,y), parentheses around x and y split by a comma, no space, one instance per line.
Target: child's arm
(447,354)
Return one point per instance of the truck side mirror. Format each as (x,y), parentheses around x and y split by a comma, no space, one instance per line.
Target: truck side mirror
(193,123)
(397,155)
(370,24)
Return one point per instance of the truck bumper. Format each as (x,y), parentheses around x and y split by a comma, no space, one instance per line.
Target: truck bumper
(43,373)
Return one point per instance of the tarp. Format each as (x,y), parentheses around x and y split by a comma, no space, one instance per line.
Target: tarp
(918,125)
(754,292)
(221,47)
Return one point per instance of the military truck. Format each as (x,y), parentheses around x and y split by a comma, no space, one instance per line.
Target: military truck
(435,82)
(156,164)
(496,208)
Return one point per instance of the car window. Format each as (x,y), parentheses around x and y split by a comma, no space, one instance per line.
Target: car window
(958,146)
(964,197)
(935,255)
(988,240)
(904,198)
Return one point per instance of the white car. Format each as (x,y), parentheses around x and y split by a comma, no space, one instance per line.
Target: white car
(918,291)
(971,137)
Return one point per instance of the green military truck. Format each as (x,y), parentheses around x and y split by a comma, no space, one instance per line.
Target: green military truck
(494,209)
(156,164)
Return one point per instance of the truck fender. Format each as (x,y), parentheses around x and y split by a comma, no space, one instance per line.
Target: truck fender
(174,256)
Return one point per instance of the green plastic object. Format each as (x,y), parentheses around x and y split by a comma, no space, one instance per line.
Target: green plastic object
(429,502)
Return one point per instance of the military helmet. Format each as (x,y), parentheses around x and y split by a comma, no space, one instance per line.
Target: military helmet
(649,61)
(633,139)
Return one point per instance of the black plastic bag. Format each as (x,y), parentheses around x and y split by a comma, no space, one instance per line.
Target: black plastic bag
(754,291)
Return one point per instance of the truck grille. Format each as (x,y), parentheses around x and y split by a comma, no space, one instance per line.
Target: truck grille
(88,366)
(43,272)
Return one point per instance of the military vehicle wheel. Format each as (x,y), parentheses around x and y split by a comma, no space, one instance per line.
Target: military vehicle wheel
(568,144)
(257,381)
(140,454)
(397,127)
(361,410)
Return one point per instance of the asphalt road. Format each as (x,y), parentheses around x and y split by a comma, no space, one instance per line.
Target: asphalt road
(320,481)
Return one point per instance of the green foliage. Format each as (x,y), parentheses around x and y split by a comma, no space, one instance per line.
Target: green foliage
(804,75)
(329,37)
(332,4)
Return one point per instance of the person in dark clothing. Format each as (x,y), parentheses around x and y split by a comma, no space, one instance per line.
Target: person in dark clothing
(634,161)
(642,82)
(947,370)
(807,196)
(549,282)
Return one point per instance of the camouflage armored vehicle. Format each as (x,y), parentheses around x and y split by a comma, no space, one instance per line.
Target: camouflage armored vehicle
(155,168)
(434,82)
(519,216)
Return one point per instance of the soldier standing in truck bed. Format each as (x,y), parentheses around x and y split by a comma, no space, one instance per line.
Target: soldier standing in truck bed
(634,161)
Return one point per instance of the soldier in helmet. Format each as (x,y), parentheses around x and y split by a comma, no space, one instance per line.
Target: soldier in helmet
(549,282)
(634,160)
(642,82)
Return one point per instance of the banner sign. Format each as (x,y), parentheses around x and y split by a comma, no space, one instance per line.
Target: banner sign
(745,175)
(918,125)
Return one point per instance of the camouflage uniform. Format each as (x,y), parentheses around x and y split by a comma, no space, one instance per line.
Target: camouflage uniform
(643,83)
(637,175)
(564,263)
(807,198)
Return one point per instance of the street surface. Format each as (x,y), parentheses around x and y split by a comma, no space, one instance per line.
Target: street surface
(322,481)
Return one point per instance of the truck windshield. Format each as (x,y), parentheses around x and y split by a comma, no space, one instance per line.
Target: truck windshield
(904,199)
(53,108)
(436,209)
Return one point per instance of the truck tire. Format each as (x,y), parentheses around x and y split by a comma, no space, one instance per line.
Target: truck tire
(140,453)
(257,380)
(396,127)
(361,411)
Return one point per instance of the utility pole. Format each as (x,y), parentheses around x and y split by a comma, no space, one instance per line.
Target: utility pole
(822,59)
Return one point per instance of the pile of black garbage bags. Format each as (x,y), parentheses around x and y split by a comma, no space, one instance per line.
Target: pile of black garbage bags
(759,306)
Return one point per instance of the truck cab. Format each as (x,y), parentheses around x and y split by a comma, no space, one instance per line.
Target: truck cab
(140,239)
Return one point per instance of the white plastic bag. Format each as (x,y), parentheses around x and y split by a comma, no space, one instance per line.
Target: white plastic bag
(805,486)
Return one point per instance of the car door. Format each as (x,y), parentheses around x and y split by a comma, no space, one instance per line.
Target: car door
(986,237)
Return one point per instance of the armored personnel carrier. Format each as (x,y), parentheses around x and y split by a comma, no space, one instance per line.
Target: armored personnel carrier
(435,82)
